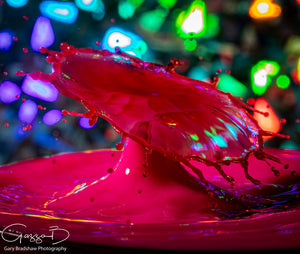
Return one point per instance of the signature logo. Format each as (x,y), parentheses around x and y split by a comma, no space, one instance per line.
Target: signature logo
(12,233)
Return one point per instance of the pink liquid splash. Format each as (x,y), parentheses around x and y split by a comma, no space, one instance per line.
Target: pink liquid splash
(193,171)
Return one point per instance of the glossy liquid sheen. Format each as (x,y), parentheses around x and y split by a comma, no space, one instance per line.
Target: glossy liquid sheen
(182,135)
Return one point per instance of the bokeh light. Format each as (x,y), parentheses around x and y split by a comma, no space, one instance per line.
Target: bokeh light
(228,84)
(153,20)
(39,89)
(61,11)
(268,122)
(128,42)
(283,81)
(42,34)
(17,3)
(298,69)
(261,75)
(89,5)
(9,92)
(192,22)
(264,9)
(6,40)
(258,57)
(84,123)
(126,9)
(28,111)
(52,117)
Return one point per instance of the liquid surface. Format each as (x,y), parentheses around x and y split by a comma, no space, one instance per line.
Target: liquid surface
(177,131)
(152,104)
(156,210)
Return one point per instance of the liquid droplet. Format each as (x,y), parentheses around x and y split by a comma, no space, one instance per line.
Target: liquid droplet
(20,73)
(64,112)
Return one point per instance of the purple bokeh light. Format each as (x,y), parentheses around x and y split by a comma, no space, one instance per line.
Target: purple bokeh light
(42,34)
(27,111)
(9,92)
(6,40)
(84,123)
(52,117)
(39,89)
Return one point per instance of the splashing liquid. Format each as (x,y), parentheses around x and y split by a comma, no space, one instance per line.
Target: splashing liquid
(181,136)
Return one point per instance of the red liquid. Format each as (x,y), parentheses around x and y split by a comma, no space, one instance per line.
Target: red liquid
(182,118)
(164,210)
(173,127)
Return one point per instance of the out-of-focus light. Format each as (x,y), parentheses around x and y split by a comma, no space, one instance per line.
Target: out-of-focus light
(292,47)
(213,26)
(9,92)
(283,81)
(88,5)
(269,123)
(261,74)
(42,34)
(128,42)
(39,89)
(199,73)
(153,20)
(52,117)
(27,111)
(16,3)
(6,40)
(190,44)
(126,9)
(192,22)
(229,84)
(288,144)
(99,13)
(61,11)
(298,68)
(84,123)
(167,3)
(264,9)
(261,78)
(136,3)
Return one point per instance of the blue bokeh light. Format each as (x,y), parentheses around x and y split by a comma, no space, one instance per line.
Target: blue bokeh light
(90,5)
(17,3)
(128,42)
(61,11)
(6,40)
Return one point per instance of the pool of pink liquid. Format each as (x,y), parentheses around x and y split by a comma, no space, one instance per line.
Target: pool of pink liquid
(158,214)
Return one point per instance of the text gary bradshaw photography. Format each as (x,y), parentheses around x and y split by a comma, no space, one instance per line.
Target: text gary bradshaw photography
(17,237)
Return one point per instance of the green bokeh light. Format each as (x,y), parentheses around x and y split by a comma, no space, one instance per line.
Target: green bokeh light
(229,84)
(192,22)
(167,3)
(283,81)
(190,44)
(261,75)
(153,20)
(126,9)
(136,3)
(213,27)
